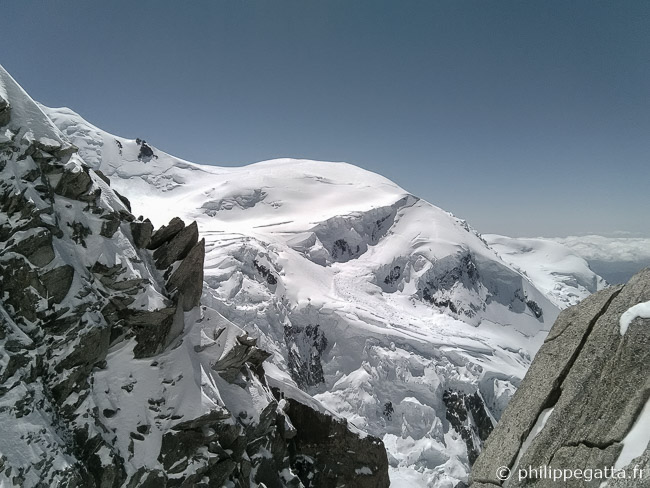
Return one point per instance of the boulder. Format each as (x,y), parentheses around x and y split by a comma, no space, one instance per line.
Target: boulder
(583,392)
(110,225)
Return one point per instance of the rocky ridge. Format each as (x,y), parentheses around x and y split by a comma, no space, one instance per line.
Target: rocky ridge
(585,402)
(111,374)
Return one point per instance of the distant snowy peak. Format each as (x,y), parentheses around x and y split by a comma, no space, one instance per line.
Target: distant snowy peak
(555,269)
(264,190)
(328,212)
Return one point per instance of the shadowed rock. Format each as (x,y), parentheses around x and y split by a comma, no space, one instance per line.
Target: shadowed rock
(5,112)
(102,176)
(188,278)
(325,443)
(124,200)
(73,184)
(468,416)
(58,282)
(37,248)
(110,225)
(165,233)
(245,352)
(141,232)
(178,247)
(20,287)
(151,329)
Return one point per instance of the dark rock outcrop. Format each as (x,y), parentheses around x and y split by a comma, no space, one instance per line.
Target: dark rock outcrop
(5,112)
(187,280)
(151,329)
(581,396)
(146,153)
(166,232)
(141,232)
(305,346)
(125,201)
(265,273)
(245,352)
(58,281)
(468,416)
(36,248)
(330,456)
(111,223)
(178,247)
(73,183)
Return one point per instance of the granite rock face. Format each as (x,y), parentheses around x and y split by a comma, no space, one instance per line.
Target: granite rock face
(581,397)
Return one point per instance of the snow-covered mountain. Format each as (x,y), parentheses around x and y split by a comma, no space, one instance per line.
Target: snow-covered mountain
(386,309)
(111,374)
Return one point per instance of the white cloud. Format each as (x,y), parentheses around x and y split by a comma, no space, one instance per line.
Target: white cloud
(593,247)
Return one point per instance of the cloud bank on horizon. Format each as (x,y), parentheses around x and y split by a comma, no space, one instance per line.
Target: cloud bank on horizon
(616,259)
(601,248)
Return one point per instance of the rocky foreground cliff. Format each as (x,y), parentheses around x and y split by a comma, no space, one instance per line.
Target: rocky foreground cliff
(581,417)
(111,373)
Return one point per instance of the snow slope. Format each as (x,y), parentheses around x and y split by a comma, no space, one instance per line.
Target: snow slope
(565,277)
(372,301)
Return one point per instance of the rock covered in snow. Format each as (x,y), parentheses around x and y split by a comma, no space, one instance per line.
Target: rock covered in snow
(585,401)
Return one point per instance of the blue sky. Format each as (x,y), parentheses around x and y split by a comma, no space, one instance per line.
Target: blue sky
(523,117)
